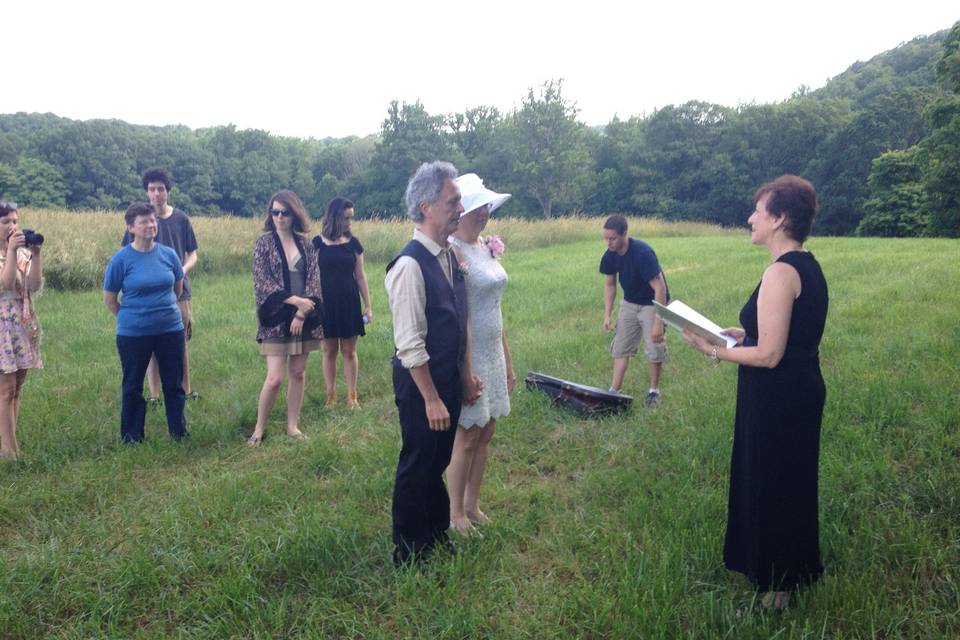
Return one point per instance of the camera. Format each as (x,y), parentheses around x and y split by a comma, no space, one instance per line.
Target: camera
(31,238)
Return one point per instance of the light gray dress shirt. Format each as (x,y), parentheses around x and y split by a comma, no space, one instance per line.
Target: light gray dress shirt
(408,300)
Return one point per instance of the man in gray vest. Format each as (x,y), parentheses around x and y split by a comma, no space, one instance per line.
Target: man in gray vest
(431,371)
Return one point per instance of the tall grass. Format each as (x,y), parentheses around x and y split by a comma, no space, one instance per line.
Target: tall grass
(605,528)
(81,242)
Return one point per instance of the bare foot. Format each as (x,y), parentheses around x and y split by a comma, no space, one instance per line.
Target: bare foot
(462,526)
(768,603)
(776,600)
(254,440)
(478,517)
(296,434)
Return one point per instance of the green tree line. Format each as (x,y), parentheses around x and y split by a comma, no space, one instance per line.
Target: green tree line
(881,142)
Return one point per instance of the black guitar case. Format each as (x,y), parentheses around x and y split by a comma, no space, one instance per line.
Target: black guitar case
(585,400)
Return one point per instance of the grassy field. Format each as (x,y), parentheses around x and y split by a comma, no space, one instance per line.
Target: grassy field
(602,528)
(83,241)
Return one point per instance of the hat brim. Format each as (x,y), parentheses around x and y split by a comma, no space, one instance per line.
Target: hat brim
(491,198)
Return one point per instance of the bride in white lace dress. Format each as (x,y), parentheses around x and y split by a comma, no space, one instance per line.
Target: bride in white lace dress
(490,354)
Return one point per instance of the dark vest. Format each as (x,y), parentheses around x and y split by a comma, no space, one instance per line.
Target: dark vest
(446,312)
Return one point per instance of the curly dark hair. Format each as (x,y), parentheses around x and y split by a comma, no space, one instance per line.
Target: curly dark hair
(156,174)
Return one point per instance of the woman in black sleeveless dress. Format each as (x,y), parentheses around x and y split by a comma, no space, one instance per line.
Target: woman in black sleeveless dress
(344,283)
(772,523)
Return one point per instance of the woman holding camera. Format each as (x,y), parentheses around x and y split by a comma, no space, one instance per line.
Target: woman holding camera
(286,284)
(21,275)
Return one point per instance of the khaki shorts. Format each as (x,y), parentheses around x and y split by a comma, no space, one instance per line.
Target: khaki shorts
(186,312)
(635,322)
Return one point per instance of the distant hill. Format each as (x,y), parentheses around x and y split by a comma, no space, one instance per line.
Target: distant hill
(25,124)
(907,66)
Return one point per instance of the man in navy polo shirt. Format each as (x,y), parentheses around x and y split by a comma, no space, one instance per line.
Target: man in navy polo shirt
(642,281)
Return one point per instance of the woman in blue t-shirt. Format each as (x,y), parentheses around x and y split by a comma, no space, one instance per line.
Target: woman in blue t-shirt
(148,321)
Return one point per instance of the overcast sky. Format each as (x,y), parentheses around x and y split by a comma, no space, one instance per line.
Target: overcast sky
(318,69)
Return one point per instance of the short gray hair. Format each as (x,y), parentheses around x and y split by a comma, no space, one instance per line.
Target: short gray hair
(426,185)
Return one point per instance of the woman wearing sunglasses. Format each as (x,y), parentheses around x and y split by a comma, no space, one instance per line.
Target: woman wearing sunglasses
(286,282)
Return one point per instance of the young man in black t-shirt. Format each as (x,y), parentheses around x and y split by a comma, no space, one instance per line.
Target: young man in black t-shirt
(642,281)
(174,230)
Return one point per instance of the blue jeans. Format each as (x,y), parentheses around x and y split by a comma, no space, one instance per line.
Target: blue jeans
(135,352)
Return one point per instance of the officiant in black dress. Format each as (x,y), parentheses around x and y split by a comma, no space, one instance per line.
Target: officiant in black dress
(772,521)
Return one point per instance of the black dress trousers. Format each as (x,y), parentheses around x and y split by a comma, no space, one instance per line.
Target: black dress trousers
(421,505)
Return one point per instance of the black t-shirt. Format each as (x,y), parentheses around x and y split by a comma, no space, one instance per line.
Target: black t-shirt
(177,233)
(636,267)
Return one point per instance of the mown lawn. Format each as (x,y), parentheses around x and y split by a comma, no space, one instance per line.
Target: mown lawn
(602,528)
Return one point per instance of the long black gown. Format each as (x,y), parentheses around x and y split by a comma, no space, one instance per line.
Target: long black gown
(772,522)
(342,316)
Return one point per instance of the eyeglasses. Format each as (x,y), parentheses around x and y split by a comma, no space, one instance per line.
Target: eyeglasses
(8,205)
(279,213)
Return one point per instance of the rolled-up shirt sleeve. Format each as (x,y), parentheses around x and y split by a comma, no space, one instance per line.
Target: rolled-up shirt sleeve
(408,298)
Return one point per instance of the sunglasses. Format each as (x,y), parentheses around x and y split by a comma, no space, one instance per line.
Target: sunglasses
(279,213)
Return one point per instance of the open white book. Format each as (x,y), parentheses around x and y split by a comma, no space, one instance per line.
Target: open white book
(680,317)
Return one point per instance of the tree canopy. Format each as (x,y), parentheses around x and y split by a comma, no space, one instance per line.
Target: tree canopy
(881,142)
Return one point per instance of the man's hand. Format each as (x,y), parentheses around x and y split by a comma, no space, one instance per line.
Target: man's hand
(438,418)
(472,389)
(607,324)
(656,331)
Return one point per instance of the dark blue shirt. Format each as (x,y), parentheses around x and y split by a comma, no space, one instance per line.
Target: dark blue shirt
(636,268)
(148,305)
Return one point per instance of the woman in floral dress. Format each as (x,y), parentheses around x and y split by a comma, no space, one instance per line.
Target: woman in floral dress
(21,275)
(286,284)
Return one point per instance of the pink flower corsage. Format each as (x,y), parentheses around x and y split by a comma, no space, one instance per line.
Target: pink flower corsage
(495,246)
(463,268)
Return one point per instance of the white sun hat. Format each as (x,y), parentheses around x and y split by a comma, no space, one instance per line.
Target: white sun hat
(474,195)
